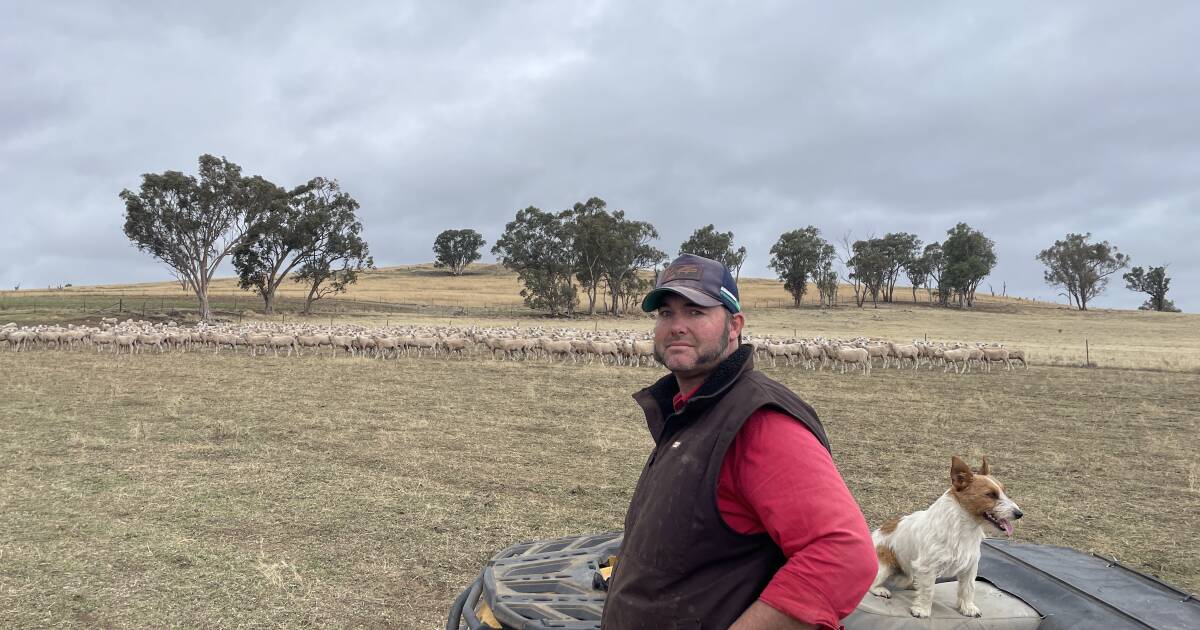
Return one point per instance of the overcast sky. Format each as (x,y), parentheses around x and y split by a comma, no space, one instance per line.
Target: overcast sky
(1025,120)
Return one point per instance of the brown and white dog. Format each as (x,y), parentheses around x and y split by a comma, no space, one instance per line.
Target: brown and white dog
(944,538)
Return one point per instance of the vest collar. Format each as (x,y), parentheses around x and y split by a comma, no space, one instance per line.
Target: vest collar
(655,400)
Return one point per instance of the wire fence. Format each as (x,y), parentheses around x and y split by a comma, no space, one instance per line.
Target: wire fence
(146,304)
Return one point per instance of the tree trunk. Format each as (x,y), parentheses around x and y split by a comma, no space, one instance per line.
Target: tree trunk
(205,311)
(310,298)
(268,302)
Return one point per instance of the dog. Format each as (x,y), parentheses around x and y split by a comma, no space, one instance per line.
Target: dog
(944,539)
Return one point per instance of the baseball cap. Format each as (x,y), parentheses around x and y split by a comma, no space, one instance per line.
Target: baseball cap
(700,280)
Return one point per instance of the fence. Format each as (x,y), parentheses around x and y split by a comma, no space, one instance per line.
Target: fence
(144,304)
(125,303)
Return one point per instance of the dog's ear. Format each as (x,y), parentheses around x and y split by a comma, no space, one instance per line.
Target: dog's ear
(960,473)
(984,470)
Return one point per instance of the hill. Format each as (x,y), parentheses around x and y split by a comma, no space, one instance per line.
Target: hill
(487,294)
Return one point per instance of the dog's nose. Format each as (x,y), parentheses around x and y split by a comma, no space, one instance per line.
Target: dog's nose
(1017,514)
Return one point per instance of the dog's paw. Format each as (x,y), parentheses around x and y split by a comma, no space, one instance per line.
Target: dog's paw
(881,592)
(969,610)
(920,612)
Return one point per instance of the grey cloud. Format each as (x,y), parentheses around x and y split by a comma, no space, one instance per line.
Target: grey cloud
(1026,120)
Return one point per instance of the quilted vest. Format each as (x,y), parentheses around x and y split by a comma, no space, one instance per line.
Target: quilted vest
(680,565)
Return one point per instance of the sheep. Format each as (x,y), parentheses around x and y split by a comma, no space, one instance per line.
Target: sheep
(155,340)
(256,341)
(283,341)
(124,341)
(603,349)
(422,344)
(959,358)
(996,355)
(102,340)
(644,349)
(312,341)
(1017,355)
(858,356)
(902,353)
(457,345)
(344,342)
(555,349)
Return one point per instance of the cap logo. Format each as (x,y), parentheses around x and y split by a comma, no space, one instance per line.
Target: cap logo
(682,272)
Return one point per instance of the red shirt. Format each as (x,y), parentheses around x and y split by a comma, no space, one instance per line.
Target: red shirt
(777,478)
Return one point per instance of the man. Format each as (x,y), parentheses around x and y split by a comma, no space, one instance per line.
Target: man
(740,518)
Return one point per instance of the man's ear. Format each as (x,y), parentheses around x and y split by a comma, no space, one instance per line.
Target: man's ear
(736,324)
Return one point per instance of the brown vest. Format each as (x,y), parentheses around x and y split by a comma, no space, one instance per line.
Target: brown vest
(681,566)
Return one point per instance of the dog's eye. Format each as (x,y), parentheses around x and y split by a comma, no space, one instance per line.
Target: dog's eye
(993,495)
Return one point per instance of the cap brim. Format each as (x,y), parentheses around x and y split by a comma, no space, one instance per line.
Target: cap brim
(695,296)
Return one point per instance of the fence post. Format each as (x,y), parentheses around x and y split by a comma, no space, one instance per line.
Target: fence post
(1087,354)
(120,305)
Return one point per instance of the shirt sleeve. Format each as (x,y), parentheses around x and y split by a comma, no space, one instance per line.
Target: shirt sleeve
(778,478)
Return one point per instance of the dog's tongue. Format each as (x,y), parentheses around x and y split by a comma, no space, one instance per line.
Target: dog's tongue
(1007,526)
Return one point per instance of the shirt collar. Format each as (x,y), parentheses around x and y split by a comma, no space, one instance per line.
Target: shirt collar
(680,399)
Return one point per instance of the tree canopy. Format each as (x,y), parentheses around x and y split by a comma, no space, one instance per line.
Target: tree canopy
(277,243)
(537,246)
(629,251)
(1154,282)
(870,265)
(799,255)
(1081,268)
(455,249)
(899,249)
(338,252)
(718,246)
(968,257)
(602,250)
(192,224)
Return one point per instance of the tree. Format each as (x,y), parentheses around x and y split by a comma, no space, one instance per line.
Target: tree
(870,265)
(191,224)
(853,280)
(899,249)
(969,258)
(338,252)
(799,255)
(718,246)
(537,246)
(918,269)
(1080,267)
(277,242)
(1154,282)
(591,227)
(827,283)
(628,251)
(455,249)
(935,259)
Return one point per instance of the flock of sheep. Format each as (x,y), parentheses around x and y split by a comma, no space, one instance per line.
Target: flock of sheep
(623,348)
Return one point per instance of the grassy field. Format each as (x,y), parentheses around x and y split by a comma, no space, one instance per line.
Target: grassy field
(201,491)
(1051,334)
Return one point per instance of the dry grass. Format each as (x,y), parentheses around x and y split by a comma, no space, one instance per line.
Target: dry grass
(1051,334)
(199,491)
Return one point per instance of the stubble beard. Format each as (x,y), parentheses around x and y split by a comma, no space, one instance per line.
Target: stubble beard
(705,361)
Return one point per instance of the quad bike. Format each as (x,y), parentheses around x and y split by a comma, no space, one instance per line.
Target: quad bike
(560,584)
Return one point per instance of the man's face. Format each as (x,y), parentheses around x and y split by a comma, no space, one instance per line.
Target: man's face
(691,339)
